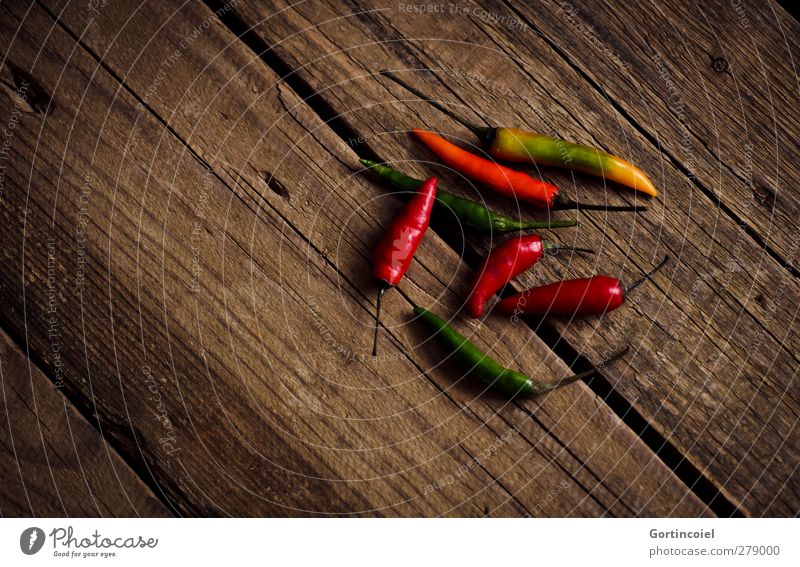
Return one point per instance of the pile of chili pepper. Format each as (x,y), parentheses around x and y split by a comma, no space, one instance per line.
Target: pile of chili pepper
(570,298)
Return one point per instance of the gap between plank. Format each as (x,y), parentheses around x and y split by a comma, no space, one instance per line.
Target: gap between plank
(665,451)
(143,473)
(791,7)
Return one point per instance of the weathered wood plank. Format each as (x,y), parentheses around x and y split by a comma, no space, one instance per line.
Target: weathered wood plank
(715,85)
(715,335)
(417,429)
(190,367)
(53,462)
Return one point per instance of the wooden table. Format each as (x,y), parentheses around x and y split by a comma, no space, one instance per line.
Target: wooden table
(187,239)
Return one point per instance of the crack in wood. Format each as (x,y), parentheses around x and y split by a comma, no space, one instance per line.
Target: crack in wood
(35,366)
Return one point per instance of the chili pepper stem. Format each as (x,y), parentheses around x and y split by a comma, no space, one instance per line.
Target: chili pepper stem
(628,288)
(541,388)
(552,223)
(554,249)
(563,203)
(381,290)
(484,133)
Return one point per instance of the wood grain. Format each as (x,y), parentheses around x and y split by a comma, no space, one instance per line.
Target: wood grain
(243,291)
(715,335)
(714,85)
(54,463)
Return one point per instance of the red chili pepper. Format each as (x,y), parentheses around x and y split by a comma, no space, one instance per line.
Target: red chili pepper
(504,180)
(504,263)
(399,243)
(580,297)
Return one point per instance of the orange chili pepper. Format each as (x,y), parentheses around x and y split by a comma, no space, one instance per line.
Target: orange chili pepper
(499,178)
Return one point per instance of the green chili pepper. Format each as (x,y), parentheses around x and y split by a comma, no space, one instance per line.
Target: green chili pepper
(488,370)
(470,213)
